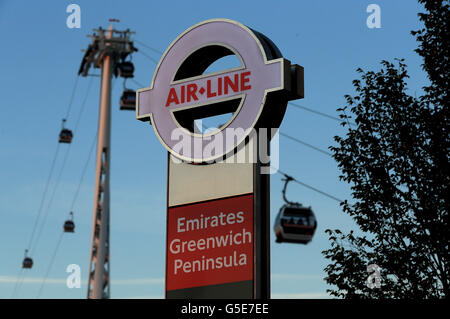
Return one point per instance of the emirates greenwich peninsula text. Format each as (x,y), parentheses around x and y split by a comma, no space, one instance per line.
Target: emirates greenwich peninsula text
(241,237)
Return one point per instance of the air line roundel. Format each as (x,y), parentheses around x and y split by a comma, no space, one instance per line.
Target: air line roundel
(256,92)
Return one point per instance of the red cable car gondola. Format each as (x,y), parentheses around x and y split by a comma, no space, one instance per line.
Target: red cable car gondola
(295,223)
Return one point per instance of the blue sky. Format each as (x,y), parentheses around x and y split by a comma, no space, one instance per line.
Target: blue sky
(39,60)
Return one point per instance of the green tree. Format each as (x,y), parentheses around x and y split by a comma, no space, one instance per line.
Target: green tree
(395,156)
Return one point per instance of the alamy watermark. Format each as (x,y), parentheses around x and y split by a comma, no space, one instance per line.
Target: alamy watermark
(374,18)
(74,279)
(262,146)
(374,280)
(74,18)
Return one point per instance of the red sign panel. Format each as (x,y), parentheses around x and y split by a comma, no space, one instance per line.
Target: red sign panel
(210,243)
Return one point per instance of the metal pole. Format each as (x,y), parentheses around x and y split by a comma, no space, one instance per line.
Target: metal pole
(99,283)
(261,281)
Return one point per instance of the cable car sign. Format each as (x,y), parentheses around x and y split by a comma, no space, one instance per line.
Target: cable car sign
(217,238)
(180,93)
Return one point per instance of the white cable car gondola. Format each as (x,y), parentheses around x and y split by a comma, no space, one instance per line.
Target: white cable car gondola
(295,223)
(69,225)
(27,261)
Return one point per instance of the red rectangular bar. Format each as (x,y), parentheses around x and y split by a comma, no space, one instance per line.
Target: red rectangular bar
(210,243)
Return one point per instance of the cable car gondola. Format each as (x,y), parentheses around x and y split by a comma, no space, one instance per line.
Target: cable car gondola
(125,69)
(66,135)
(69,225)
(295,223)
(128,100)
(27,261)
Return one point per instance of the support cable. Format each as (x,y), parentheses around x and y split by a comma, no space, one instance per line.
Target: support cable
(148,47)
(58,179)
(315,112)
(50,202)
(51,168)
(301,183)
(83,173)
(21,275)
(33,243)
(309,186)
(41,206)
(137,83)
(306,144)
(50,265)
(149,57)
(72,97)
(16,285)
(83,105)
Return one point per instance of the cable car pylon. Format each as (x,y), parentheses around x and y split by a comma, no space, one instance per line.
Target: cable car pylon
(108,50)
